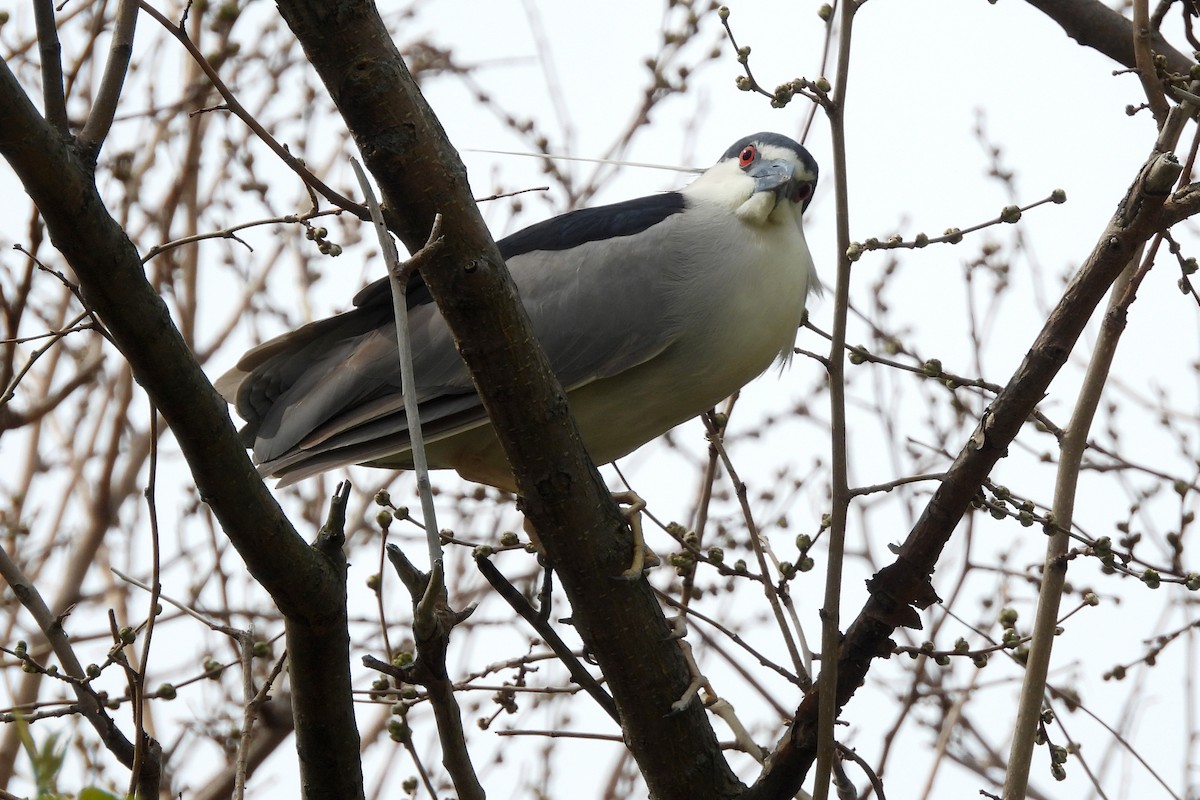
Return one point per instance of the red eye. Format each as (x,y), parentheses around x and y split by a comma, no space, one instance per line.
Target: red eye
(746,157)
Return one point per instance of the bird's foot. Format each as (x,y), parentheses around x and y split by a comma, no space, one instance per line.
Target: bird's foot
(697,681)
(699,687)
(643,557)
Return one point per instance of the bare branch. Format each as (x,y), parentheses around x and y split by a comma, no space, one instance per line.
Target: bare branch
(398,278)
(147,777)
(308,584)
(904,585)
(1093,24)
(831,634)
(528,613)
(104,109)
(579,528)
(1054,573)
(50,50)
(1144,59)
(433,620)
(293,163)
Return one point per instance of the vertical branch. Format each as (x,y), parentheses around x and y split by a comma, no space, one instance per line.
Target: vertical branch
(433,621)
(1144,57)
(830,607)
(245,643)
(104,109)
(398,275)
(50,50)
(1054,574)
(139,698)
(250,746)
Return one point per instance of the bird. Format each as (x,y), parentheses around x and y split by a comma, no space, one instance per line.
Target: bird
(651,311)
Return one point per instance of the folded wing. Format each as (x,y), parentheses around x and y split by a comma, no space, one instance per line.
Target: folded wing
(329,393)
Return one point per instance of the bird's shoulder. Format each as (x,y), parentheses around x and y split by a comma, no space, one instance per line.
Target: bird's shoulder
(599,223)
(564,232)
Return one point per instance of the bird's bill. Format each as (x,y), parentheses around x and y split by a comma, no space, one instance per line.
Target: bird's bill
(770,176)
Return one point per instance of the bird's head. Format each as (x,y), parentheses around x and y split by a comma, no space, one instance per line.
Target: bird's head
(764,177)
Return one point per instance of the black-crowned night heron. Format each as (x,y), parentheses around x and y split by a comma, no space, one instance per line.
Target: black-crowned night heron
(651,311)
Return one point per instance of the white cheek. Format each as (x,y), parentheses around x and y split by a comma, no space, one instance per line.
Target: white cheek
(757,208)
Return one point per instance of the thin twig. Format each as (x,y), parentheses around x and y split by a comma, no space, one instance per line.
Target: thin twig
(39,408)
(732,636)
(831,634)
(139,694)
(756,543)
(876,783)
(1124,743)
(1009,215)
(89,704)
(399,274)
(228,233)
(888,486)
(253,703)
(1072,447)
(295,164)
(245,644)
(1146,71)
(548,635)
(191,612)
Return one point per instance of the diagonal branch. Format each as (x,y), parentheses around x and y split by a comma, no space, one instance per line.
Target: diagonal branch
(281,151)
(904,584)
(1054,573)
(1095,25)
(514,598)
(104,110)
(147,775)
(309,585)
(579,527)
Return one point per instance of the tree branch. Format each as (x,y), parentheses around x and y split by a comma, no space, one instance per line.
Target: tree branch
(831,632)
(50,52)
(1054,572)
(433,621)
(579,528)
(517,601)
(148,776)
(235,106)
(1095,25)
(904,584)
(104,110)
(1143,57)
(309,586)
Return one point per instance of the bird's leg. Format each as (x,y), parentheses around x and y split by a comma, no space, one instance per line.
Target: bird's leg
(698,681)
(699,685)
(642,555)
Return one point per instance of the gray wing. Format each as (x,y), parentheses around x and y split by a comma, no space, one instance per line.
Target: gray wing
(329,393)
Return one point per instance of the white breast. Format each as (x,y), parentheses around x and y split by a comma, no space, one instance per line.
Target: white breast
(735,293)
